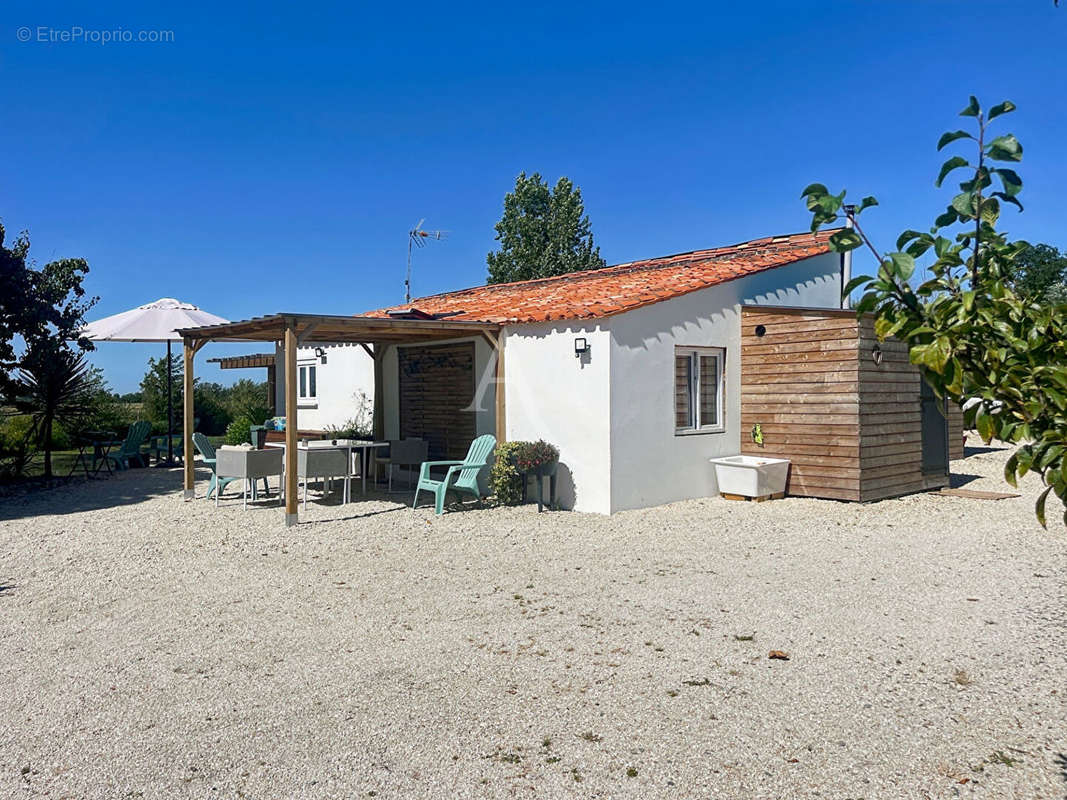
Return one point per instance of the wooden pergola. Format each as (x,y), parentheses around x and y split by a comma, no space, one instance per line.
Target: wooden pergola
(301,330)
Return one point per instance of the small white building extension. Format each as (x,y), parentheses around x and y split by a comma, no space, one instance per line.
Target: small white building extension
(632,371)
(335,384)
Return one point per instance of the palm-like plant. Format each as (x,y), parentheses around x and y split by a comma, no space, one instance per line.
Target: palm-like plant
(55,384)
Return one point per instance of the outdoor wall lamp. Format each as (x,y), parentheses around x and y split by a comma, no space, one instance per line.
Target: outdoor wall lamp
(876,354)
(581,347)
(320,353)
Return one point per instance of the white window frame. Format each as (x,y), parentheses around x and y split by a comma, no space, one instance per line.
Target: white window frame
(303,370)
(694,354)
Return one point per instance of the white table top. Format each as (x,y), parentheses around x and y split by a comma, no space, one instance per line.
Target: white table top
(328,444)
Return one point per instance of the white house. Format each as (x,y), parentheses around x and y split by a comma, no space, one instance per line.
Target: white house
(632,371)
(335,385)
(639,373)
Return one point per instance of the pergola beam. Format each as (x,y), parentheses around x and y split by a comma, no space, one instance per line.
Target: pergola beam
(339,329)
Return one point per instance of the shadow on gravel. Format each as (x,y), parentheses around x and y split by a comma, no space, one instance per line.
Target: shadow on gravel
(977,451)
(5,589)
(365,515)
(122,489)
(1061,762)
(956,480)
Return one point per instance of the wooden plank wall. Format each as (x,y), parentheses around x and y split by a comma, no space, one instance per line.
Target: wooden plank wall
(436,391)
(801,381)
(890,419)
(955,431)
(852,428)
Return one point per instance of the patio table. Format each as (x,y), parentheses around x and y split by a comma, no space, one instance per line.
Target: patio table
(363,446)
(249,465)
(101,443)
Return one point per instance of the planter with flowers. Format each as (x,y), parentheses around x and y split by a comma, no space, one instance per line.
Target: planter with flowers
(518,461)
(536,458)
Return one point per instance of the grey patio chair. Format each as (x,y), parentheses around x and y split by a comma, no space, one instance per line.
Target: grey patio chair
(403,453)
(324,464)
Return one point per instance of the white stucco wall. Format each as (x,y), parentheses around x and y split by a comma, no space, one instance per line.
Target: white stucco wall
(650,464)
(347,372)
(553,395)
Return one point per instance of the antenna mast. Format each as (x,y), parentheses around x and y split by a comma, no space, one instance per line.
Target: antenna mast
(417,237)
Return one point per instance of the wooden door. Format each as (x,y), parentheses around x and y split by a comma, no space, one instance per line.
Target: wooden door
(436,397)
(934,432)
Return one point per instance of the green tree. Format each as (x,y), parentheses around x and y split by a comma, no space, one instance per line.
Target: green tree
(1041,274)
(37,304)
(247,398)
(154,393)
(971,334)
(55,386)
(543,232)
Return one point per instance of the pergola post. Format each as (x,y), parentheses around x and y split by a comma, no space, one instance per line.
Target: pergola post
(272,388)
(291,516)
(501,397)
(189,351)
(378,420)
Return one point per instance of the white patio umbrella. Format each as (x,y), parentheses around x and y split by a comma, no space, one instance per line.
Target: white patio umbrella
(152,322)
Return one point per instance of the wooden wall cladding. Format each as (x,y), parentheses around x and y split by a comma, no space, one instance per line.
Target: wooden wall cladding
(800,382)
(436,391)
(955,432)
(851,427)
(890,420)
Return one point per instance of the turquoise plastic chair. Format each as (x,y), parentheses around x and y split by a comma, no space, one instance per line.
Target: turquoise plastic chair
(207,454)
(130,449)
(461,477)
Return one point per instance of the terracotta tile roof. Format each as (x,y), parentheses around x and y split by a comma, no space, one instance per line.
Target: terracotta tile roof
(613,290)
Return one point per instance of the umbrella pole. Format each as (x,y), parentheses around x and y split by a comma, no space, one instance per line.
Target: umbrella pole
(170,409)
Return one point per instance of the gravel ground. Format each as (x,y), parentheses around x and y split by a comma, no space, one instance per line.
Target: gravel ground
(158,648)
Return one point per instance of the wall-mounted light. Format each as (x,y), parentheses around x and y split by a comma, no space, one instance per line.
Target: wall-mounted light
(581,347)
(876,354)
(320,353)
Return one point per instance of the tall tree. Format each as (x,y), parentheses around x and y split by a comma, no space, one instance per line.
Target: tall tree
(543,232)
(37,305)
(154,392)
(1040,272)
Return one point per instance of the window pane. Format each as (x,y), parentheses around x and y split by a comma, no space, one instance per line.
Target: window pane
(311,380)
(683,406)
(709,391)
(303,381)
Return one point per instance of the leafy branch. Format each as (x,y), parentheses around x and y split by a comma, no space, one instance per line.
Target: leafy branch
(974,339)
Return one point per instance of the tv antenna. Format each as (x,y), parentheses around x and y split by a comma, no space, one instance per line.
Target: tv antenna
(417,237)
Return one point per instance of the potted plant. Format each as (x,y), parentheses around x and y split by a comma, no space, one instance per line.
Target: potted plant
(536,458)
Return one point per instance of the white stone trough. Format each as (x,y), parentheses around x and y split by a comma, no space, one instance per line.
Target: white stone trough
(754,477)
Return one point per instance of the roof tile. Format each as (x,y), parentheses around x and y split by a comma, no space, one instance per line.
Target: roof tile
(613,290)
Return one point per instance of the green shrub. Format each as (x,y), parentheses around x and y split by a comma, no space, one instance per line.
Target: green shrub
(239,431)
(109,414)
(504,479)
(16,432)
(358,426)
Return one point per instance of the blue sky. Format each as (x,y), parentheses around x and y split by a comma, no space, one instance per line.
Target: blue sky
(272,157)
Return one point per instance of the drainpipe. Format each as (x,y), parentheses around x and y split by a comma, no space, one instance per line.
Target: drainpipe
(846,257)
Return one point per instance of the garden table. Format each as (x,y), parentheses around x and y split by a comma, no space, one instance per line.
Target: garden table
(101,443)
(363,446)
